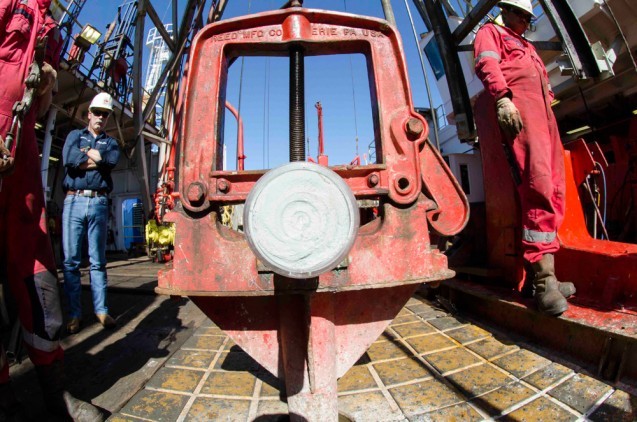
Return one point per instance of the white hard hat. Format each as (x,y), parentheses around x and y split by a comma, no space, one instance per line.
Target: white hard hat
(102,101)
(520,4)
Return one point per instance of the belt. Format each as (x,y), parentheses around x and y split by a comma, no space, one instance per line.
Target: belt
(87,192)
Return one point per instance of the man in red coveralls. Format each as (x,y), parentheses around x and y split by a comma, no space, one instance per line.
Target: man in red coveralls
(25,251)
(515,108)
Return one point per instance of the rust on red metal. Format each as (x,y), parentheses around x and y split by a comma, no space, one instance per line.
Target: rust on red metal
(311,331)
(452,207)
(215,260)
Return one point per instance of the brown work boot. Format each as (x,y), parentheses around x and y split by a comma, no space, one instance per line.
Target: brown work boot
(11,410)
(548,297)
(58,401)
(73,326)
(106,320)
(566,288)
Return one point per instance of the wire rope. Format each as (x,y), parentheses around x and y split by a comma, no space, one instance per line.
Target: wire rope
(265,155)
(165,11)
(434,117)
(351,70)
(241,91)
(267,152)
(598,214)
(603,174)
(266,108)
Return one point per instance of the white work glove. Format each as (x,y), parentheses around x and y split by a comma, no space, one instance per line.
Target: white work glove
(48,76)
(6,160)
(46,88)
(509,117)
(33,77)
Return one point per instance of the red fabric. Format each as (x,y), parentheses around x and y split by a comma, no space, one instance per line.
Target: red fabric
(520,67)
(25,249)
(538,150)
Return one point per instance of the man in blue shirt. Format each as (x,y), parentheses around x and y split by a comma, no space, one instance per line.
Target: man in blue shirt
(89,156)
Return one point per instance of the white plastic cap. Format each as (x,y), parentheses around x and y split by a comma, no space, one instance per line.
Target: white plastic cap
(301,219)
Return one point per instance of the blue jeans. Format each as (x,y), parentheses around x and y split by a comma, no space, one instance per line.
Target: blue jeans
(82,215)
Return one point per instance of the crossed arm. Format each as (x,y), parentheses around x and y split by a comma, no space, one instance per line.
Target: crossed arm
(94,157)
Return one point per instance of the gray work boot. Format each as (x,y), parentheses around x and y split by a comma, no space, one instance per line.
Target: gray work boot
(566,288)
(59,401)
(81,411)
(548,297)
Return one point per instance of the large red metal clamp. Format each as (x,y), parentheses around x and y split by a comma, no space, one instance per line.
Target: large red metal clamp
(308,325)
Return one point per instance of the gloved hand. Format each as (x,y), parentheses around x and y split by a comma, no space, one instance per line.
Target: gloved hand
(33,78)
(6,160)
(48,76)
(509,117)
(46,88)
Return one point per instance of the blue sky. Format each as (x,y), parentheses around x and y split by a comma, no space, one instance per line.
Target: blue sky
(338,82)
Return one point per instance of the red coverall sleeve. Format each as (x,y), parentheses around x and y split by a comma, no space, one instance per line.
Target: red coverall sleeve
(6,7)
(487,54)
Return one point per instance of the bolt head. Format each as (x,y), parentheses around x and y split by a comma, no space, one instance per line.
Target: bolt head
(223,185)
(372,180)
(196,193)
(415,127)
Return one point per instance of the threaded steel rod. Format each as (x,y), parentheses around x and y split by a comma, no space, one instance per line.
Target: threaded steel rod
(297,104)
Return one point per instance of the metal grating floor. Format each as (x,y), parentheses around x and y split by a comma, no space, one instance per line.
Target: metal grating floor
(427,365)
